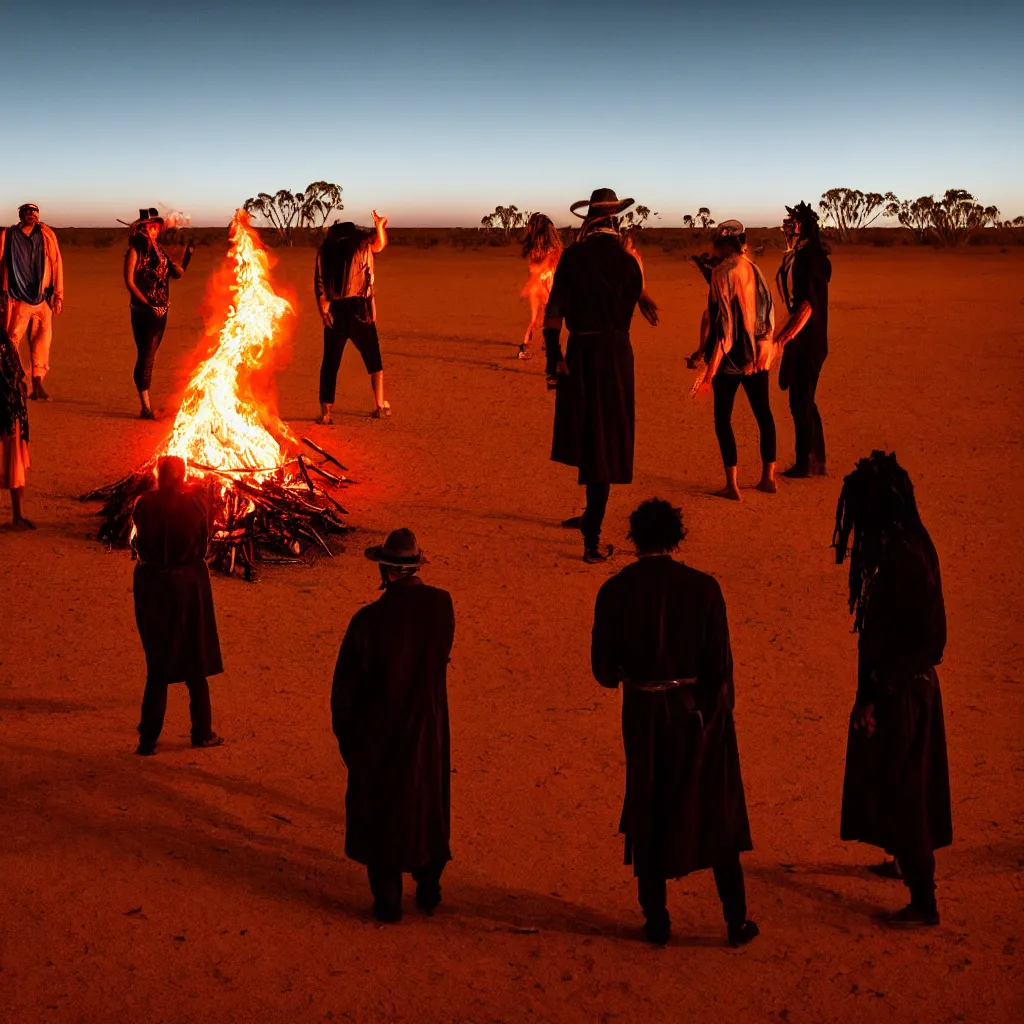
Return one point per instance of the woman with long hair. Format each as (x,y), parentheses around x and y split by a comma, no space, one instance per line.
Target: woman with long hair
(147,275)
(542,248)
(896,788)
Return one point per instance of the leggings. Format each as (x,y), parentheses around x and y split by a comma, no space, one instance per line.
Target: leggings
(725,386)
(148,329)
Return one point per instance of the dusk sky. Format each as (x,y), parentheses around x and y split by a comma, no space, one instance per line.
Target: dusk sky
(435,113)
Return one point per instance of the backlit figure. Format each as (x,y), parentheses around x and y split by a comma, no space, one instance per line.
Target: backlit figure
(542,248)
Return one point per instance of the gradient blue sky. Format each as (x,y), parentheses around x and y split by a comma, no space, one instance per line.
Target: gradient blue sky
(434,113)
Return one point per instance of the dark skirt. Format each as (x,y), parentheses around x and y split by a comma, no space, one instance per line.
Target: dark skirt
(685,808)
(595,409)
(174,613)
(896,790)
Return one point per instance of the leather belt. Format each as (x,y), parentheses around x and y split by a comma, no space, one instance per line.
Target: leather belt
(660,686)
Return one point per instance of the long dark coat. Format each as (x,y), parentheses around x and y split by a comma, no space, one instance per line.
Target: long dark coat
(173,599)
(596,288)
(684,808)
(389,707)
(896,790)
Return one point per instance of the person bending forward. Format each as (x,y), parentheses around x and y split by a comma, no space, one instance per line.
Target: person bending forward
(660,630)
(389,709)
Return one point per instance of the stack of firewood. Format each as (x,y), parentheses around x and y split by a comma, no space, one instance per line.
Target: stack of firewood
(270,516)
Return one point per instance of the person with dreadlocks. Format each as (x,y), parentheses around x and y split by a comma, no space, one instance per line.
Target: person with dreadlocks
(542,248)
(896,789)
(14,459)
(803,280)
(343,283)
(597,287)
(661,632)
(737,349)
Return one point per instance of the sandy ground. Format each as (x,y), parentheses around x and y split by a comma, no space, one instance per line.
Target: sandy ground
(211,886)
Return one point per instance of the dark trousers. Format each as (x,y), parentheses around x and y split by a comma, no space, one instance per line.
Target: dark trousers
(386,886)
(148,330)
(918,870)
(725,386)
(154,707)
(346,324)
(652,893)
(810,436)
(593,516)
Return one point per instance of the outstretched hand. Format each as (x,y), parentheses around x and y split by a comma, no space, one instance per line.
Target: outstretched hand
(379,221)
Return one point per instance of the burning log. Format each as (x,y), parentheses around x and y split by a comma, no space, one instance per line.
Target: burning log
(263,505)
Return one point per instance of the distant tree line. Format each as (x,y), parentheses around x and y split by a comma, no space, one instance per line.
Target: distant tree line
(948,221)
(285,211)
(507,219)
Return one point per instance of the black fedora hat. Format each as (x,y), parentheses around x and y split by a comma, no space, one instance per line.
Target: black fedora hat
(602,201)
(149,215)
(400,551)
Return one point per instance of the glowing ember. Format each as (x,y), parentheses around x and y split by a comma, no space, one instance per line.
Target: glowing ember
(220,423)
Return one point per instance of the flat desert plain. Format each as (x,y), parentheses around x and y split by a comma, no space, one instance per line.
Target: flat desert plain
(211,885)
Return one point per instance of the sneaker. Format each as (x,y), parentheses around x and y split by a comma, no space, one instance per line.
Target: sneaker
(741,934)
(213,740)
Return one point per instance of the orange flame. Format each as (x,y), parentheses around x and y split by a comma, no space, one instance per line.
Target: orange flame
(220,423)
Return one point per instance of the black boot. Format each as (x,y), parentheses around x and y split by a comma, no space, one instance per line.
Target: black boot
(741,934)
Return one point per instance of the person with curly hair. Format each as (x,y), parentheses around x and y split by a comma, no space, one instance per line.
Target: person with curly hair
(661,632)
(803,281)
(542,248)
(896,788)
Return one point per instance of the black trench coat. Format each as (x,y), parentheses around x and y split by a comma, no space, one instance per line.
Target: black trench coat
(896,789)
(173,599)
(684,807)
(596,288)
(389,707)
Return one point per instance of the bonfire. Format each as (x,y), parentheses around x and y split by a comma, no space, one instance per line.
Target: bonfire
(263,502)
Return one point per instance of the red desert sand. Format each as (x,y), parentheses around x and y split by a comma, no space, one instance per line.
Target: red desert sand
(211,886)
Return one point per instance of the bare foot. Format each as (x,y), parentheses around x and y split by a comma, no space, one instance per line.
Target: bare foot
(732,493)
(22,524)
(768,486)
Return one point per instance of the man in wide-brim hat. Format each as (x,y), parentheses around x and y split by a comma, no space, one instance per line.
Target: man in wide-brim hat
(596,289)
(389,707)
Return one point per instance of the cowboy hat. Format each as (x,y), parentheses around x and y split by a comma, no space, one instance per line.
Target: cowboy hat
(148,216)
(730,229)
(602,201)
(400,551)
